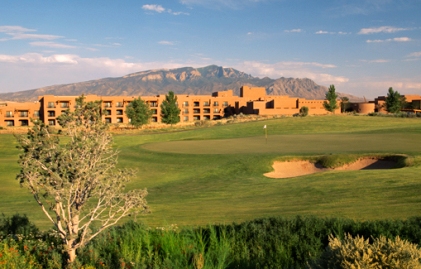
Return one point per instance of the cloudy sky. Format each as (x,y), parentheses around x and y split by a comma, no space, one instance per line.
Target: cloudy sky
(363,47)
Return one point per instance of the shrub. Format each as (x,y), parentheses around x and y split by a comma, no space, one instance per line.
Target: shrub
(303,111)
(359,253)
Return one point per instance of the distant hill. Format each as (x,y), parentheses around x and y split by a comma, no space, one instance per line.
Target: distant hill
(186,80)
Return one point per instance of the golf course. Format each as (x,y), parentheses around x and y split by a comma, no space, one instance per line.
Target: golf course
(215,174)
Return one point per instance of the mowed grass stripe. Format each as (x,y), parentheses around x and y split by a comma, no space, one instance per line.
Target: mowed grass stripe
(201,186)
(296,144)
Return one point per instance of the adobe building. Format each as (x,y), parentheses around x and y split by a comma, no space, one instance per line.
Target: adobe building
(18,114)
(252,100)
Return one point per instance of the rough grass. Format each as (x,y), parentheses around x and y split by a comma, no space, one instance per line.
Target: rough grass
(215,174)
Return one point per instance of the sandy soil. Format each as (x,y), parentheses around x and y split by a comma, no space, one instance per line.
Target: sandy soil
(300,168)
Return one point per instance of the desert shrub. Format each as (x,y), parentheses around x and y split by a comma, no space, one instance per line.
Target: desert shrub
(303,111)
(357,252)
(202,123)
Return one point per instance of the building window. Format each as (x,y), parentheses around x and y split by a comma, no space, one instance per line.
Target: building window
(64,104)
(205,103)
(24,122)
(206,117)
(196,117)
(107,104)
(216,110)
(185,103)
(196,111)
(23,113)
(107,120)
(10,123)
(154,119)
(154,111)
(36,113)
(51,122)
(196,104)
(119,112)
(186,118)
(225,103)
(9,114)
(206,110)
(51,105)
(107,112)
(186,111)
(119,120)
(215,103)
(119,104)
(153,104)
(51,113)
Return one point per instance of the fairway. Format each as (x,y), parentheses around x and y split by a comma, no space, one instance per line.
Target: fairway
(211,175)
(296,144)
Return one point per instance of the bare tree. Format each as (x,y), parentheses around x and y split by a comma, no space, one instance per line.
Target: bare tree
(75,181)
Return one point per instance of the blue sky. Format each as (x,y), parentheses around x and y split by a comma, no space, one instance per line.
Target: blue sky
(363,47)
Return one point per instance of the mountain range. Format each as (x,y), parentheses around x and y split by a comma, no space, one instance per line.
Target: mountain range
(186,80)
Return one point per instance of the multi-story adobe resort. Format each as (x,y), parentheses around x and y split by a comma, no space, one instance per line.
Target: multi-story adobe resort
(252,100)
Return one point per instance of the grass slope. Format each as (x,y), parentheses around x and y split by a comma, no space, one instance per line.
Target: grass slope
(215,174)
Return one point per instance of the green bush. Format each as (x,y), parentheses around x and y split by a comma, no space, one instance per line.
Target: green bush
(303,111)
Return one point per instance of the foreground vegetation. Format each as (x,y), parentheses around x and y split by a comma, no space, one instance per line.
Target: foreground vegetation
(191,180)
(300,242)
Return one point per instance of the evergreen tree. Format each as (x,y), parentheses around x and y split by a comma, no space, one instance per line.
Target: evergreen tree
(331,104)
(394,101)
(138,112)
(170,112)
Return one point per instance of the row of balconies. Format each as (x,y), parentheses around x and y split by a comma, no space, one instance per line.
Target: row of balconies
(20,114)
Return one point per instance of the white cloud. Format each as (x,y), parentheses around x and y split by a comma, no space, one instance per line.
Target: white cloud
(382,29)
(376,61)
(294,31)
(167,43)
(14,29)
(51,45)
(415,54)
(321,32)
(156,8)
(161,9)
(44,70)
(309,70)
(372,87)
(19,33)
(396,39)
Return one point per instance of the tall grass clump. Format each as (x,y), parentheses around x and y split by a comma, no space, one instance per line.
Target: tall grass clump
(333,161)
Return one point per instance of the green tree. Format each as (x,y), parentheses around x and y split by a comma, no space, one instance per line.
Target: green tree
(394,101)
(75,181)
(170,112)
(331,104)
(138,112)
(344,103)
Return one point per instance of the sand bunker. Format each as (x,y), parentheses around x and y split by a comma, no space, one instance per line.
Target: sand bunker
(301,168)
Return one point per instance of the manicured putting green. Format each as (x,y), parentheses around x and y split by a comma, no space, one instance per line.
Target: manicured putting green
(296,144)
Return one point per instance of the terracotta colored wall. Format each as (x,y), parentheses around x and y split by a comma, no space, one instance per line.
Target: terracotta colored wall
(18,114)
(252,100)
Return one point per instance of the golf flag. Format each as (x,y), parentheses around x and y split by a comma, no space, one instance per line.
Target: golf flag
(266,133)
